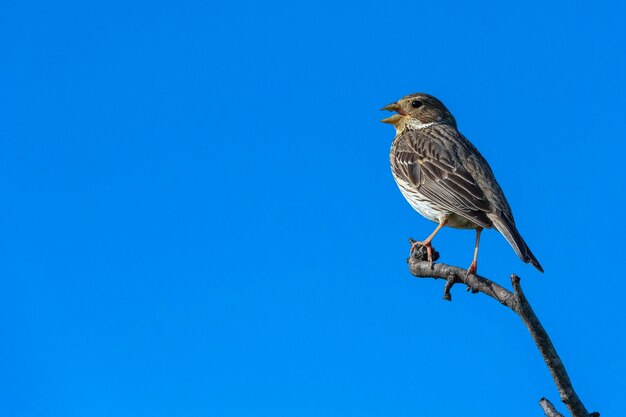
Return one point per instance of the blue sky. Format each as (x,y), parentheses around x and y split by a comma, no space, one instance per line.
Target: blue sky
(199,216)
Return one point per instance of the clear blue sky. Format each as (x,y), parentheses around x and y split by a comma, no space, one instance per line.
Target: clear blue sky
(198,216)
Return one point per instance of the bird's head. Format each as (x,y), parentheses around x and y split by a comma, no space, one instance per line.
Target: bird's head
(417,111)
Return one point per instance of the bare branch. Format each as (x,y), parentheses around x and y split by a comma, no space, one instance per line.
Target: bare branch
(519,304)
(548,408)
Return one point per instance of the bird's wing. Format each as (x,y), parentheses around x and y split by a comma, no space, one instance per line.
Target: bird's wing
(431,160)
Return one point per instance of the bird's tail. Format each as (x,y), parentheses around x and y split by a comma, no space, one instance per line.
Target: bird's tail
(510,233)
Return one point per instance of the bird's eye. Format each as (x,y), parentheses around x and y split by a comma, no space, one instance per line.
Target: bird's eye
(416,103)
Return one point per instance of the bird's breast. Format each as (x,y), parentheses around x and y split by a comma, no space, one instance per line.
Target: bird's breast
(419,203)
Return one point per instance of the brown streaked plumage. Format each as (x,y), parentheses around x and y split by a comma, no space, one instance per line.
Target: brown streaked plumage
(444,177)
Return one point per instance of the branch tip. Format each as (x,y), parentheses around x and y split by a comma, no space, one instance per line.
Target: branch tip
(548,408)
(446,289)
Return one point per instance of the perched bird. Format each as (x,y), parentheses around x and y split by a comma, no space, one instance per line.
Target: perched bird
(444,177)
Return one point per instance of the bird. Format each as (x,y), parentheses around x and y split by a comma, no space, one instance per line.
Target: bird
(445,178)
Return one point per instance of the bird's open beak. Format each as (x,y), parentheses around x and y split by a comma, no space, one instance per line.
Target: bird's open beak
(391,107)
(393,119)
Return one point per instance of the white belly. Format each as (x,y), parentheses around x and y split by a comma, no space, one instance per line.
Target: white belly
(419,203)
(429,210)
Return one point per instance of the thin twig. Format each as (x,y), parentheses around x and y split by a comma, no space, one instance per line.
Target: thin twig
(519,304)
(548,408)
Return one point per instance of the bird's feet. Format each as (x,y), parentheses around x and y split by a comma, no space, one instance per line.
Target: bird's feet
(473,268)
(417,245)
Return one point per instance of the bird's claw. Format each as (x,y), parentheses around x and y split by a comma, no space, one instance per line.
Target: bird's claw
(423,251)
(473,268)
(426,245)
(470,289)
